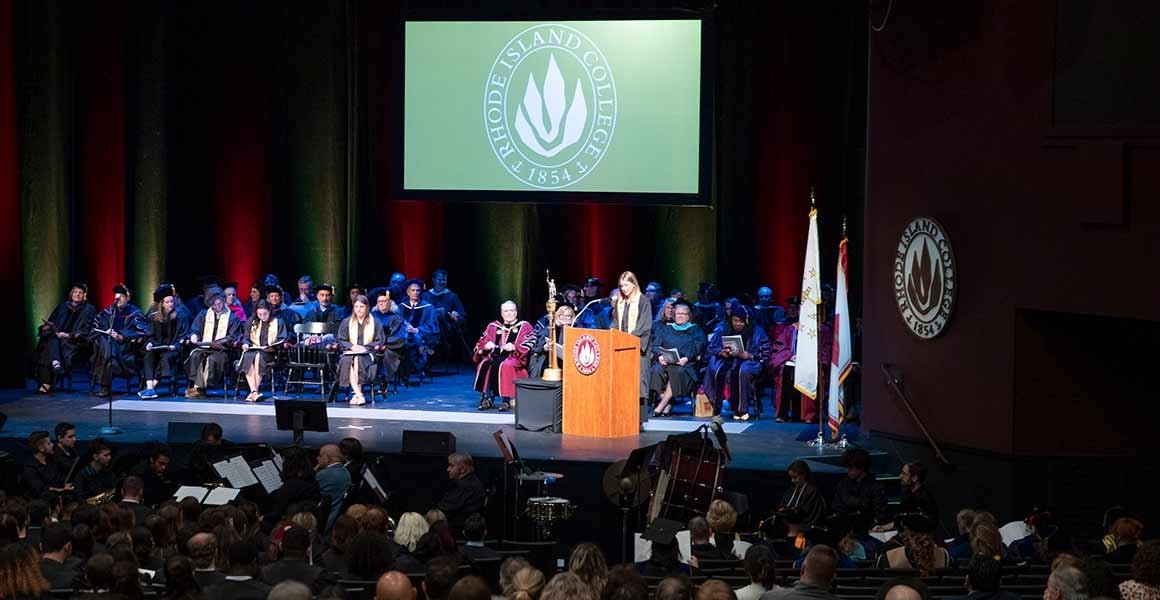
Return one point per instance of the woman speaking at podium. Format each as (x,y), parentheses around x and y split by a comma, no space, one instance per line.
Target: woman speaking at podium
(632,313)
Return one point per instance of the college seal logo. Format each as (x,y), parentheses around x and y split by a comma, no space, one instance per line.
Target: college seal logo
(925,277)
(586,354)
(549,106)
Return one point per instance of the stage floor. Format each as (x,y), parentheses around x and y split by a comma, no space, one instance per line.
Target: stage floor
(445,403)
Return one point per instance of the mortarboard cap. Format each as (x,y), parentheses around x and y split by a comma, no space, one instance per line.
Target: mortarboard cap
(274,289)
(121,289)
(165,289)
(593,281)
(411,282)
(79,286)
(324,286)
(662,531)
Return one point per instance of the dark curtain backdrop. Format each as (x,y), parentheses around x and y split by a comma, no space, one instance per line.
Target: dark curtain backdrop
(147,141)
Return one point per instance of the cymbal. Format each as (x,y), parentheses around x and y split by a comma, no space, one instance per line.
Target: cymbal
(640,484)
(539,476)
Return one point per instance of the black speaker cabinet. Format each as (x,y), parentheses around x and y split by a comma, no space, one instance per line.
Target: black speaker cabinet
(437,443)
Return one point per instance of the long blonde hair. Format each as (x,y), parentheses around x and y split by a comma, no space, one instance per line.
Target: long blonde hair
(411,527)
(631,277)
(526,584)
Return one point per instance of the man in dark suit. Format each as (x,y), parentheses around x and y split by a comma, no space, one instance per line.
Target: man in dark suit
(240,583)
(983,576)
(474,532)
(467,493)
(203,552)
(291,564)
(132,491)
(56,548)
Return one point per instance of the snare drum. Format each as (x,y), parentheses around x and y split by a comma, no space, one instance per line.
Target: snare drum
(549,508)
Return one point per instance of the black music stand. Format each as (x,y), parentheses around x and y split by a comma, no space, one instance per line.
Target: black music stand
(301,415)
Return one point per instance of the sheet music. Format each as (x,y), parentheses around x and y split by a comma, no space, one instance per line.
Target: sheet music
(277,459)
(236,471)
(220,496)
(268,476)
(369,477)
(354,353)
(190,491)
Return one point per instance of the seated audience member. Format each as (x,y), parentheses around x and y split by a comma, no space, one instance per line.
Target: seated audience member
(959,547)
(333,480)
(420,324)
(265,334)
(203,551)
(114,338)
(1067,583)
(1125,532)
(525,583)
(538,360)
(97,476)
(133,498)
(984,574)
(359,337)
(394,585)
(803,498)
(986,540)
(916,548)
(62,335)
(214,331)
(759,566)
(439,577)
(817,575)
(568,586)
(665,555)
(501,356)
(903,588)
(715,589)
(738,371)
(290,590)
(916,498)
(20,575)
(859,492)
(1145,581)
(292,563)
(675,375)
(298,485)
(722,518)
(675,587)
(470,588)
(474,534)
(230,290)
(167,330)
(409,530)
(370,555)
(588,563)
(241,583)
(466,494)
(386,313)
(56,554)
(334,558)
(700,541)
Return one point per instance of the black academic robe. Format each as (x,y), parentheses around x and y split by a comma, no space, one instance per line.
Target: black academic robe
(709,314)
(171,332)
(366,365)
(690,343)
(319,314)
(207,366)
(805,501)
(464,498)
(66,318)
(590,311)
(538,361)
(766,316)
(117,357)
(259,334)
(396,337)
(420,345)
(642,330)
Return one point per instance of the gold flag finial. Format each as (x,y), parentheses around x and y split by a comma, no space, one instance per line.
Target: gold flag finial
(843,225)
(813,200)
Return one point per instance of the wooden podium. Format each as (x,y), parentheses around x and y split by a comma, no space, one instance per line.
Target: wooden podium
(601,383)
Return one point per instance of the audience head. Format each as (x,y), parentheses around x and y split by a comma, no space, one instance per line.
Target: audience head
(508,569)
(983,574)
(722,516)
(365,556)
(913,475)
(132,488)
(903,588)
(474,528)
(588,563)
(99,571)
(759,565)
(1146,564)
(625,583)
(20,575)
(56,539)
(857,462)
(715,589)
(243,559)
(295,542)
(434,516)
(567,586)
(39,443)
(1065,559)
(344,529)
(965,519)
(819,566)
(441,574)
(329,454)
(394,585)
(66,434)
(1066,583)
(677,587)
(290,590)
(986,540)
(1126,530)
(211,434)
(352,450)
(159,459)
(459,464)
(699,530)
(100,452)
(375,518)
(470,588)
(799,472)
(410,528)
(179,580)
(203,550)
(525,584)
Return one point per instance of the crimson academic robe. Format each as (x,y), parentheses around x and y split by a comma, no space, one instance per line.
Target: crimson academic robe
(116,357)
(784,350)
(497,370)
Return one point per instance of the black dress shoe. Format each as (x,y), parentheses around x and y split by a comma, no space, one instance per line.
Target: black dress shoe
(485,404)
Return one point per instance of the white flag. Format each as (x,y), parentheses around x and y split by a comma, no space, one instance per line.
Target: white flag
(805,377)
(841,354)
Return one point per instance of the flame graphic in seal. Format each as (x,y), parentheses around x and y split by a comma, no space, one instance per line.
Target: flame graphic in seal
(924,286)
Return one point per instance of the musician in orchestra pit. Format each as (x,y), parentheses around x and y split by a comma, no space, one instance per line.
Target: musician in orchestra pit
(40,470)
(217,327)
(96,477)
(467,494)
(65,450)
(61,335)
(157,486)
(266,333)
(501,356)
(116,331)
(361,336)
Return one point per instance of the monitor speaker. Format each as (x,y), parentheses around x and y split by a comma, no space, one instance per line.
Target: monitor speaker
(439,443)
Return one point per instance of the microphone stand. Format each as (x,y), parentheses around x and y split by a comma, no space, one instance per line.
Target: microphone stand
(110,429)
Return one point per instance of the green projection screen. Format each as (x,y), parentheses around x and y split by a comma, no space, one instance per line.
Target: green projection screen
(554,110)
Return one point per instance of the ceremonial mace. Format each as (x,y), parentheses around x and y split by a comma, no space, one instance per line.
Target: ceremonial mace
(552,372)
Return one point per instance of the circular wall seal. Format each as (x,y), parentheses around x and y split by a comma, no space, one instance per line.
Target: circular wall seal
(925,277)
(549,106)
(586,354)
